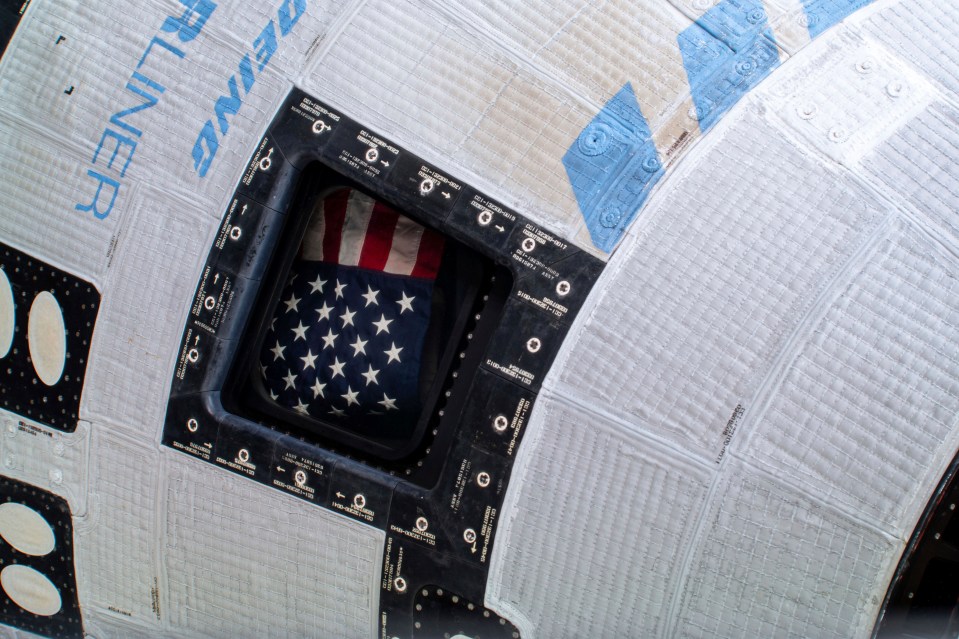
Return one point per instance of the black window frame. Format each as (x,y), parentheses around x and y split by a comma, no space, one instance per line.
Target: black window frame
(475,318)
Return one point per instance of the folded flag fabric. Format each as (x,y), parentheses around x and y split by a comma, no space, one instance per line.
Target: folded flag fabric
(346,340)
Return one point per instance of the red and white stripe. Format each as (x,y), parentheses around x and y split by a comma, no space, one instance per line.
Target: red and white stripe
(350,228)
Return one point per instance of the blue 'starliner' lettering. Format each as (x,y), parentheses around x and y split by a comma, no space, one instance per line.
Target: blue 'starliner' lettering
(107,171)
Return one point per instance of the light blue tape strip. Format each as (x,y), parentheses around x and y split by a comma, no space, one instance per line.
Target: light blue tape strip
(822,14)
(611,166)
(726,53)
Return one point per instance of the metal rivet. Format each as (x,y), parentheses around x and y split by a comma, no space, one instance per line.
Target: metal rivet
(837,134)
(612,216)
(745,67)
(595,139)
(895,88)
(533,344)
(807,111)
(865,66)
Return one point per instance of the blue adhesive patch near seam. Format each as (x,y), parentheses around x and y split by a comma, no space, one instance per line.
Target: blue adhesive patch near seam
(736,22)
(726,52)
(611,166)
(822,14)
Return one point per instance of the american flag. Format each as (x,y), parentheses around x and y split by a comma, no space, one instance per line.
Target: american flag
(346,340)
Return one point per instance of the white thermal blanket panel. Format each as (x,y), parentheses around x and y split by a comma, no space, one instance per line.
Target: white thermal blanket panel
(448,93)
(916,166)
(595,540)
(220,537)
(139,328)
(723,267)
(782,316)
(123,515)
(865,418)
(770,562)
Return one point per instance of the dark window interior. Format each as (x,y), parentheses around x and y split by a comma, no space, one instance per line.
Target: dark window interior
(923,598)
(364,360)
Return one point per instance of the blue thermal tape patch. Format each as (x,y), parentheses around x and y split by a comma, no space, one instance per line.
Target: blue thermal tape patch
(822,14)
(726,52)
(611,166)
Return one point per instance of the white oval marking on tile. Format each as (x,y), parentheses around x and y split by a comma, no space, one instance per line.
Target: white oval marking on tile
(31,590)
(26,530)
(8,318)
(47,338)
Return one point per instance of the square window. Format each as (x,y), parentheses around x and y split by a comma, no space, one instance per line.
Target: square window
(364,325)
